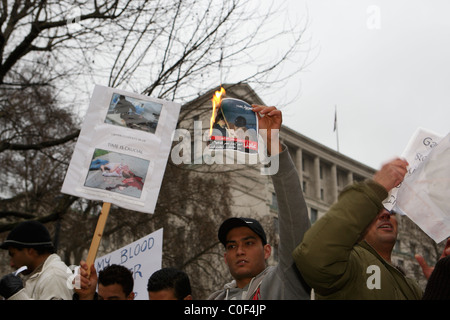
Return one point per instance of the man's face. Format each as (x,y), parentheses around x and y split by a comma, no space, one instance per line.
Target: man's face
(21,257)
(113,292)
(245,254)
(383,230)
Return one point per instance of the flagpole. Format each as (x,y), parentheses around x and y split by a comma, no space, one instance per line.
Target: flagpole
(336,127)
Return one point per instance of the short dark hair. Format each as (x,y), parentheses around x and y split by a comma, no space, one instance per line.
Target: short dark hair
(170,278)
(117,274)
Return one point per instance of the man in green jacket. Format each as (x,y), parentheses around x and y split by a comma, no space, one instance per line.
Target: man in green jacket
(347,253)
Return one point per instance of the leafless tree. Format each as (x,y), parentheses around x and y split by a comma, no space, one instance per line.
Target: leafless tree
(51,54)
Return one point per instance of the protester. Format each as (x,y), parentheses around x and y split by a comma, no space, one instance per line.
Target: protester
(347,253)
(438,286)
(169,284)
(244,239)
(115,282)
(29,245)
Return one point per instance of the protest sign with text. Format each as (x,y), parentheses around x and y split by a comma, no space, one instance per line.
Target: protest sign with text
(142,257)
(424,193)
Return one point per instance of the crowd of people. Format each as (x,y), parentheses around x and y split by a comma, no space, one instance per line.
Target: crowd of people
(346,254)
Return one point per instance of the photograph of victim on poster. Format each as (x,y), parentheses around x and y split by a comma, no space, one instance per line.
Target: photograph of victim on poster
(133,113)
(235,127)
(117,172)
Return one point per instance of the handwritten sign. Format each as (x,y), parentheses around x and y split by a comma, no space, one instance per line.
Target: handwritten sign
(122,151)
(416,152)
(424,193)
(142,257)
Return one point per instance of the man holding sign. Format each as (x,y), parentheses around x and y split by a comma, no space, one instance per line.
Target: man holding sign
(244,239)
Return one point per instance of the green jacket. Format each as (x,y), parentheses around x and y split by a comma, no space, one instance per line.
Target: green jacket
(338,267)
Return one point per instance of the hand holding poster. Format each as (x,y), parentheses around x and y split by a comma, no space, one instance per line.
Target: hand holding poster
(121,153)
(423,195)
(416,152)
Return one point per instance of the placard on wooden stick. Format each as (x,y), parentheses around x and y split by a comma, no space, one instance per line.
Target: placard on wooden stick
(97,235)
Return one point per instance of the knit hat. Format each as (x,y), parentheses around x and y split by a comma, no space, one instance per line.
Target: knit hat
(232,223)
(28,234)
(438,286)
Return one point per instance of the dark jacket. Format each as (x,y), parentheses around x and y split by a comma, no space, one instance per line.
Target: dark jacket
(336,266)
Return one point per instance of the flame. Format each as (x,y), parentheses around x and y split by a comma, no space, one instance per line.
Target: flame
(216,101)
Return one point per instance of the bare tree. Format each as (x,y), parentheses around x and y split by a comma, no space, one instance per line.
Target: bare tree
(51,54)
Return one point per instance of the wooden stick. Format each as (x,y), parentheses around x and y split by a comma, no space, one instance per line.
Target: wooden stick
(97,235)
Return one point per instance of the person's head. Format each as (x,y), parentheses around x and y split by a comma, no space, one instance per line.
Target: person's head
(246,248)
(28,244)
(381,234)
(127,173)
(115,282)
(169,284)
(240,122)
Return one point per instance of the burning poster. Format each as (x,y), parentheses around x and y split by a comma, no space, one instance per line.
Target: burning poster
(234,126)
(121,153)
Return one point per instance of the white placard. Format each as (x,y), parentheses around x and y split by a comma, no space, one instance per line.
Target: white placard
(424,194)
(122,151)
(142,257)
(416,152)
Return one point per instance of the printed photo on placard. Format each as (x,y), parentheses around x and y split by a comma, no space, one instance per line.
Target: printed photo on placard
(235,127)
(117,172)
(133,113)
(131,130)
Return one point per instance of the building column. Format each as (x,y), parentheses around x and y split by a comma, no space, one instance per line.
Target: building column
(334,186)
(349,177)
(299,165)
(317,177)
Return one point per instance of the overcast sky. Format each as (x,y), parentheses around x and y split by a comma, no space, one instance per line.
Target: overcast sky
(384,64)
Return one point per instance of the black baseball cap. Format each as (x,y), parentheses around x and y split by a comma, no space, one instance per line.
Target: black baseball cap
(232,223)
(28,234)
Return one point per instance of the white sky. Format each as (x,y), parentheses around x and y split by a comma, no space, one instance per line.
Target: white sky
(385,64)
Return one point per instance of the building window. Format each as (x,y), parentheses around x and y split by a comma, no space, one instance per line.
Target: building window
(314,215)
(397,246)
(304,186)
(274,204)
(322,195)
(413,248)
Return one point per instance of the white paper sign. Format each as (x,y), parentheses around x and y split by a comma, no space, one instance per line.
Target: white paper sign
(424,194)
(416,152)
(142,257)
(122,151)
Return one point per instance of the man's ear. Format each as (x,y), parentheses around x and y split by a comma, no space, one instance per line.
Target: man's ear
(267,251)
(31,252)
(225,258)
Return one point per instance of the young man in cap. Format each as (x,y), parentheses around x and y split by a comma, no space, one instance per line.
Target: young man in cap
(29,245)
(244,239)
